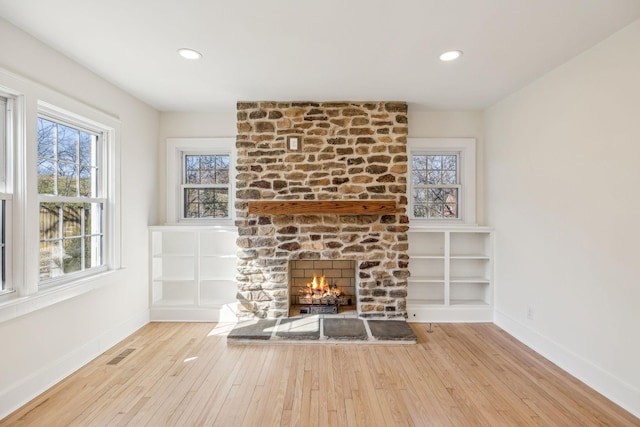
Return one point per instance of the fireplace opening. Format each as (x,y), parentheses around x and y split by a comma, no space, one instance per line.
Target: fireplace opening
(321,286)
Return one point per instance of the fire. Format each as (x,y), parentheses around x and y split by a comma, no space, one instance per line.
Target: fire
(319,287)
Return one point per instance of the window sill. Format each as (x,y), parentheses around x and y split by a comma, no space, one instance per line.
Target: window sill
(13,306)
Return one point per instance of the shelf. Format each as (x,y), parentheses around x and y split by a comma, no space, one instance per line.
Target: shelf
(451,277)
(468,302)
(434,302)
(479,257)
(469,280)
(425,279)
(193,271)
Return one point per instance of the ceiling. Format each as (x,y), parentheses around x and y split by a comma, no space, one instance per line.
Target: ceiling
(328,50)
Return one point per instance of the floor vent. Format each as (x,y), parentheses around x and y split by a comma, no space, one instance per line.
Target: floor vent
(119,358)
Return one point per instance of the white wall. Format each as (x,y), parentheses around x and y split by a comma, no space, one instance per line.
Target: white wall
(562,175)
(40,348)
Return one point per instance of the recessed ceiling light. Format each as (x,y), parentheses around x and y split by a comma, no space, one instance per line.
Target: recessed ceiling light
(451,55)
(189,53)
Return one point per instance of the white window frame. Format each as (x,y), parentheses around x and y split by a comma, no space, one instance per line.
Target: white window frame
(107,137)
(465,149)
(6,186)
(177,148)
(29,296)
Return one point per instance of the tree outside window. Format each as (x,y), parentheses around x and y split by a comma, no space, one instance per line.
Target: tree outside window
(71,206)
(435,185)
(206,186)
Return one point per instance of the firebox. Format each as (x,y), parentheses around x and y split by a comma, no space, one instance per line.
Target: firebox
(321,286)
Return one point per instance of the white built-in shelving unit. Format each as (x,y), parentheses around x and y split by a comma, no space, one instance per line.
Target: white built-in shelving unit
(451,274)
(192,273)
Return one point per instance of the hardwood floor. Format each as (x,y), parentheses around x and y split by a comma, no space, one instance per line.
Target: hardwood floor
(184,374)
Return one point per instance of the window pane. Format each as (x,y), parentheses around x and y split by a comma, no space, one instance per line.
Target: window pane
(420,210)
(72,215)
(449,163)
(192,163)
(206,169)
(50,259)
(193,177)
(72,257)
(46,177)
(449,177)
(434,177)
(46,138)
(87,149)
(206,203)
(443,202)
(419,170)
(88,182)
(50,221)
(222,169)
(61,152)
(420,195)
(67,179)
(434,162)
(68,139)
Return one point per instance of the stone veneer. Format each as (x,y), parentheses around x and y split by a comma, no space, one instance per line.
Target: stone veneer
(350,151)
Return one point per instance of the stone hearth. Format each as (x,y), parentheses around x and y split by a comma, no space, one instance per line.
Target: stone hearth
(346,151)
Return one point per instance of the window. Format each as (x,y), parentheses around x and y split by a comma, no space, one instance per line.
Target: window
(5,193)
(442,180)
(436,186)
(59,176)
(205,186)
(72,197)
(199,184)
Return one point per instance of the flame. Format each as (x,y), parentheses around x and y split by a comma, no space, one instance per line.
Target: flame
(319,287)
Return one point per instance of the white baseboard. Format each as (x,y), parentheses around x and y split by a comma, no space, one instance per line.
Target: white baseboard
(16,395)
(595,377)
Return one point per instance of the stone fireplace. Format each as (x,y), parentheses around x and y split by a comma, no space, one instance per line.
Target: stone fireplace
(345,151)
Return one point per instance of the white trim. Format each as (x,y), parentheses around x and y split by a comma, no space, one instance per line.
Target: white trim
(603,382)
(466,149)
(176,147)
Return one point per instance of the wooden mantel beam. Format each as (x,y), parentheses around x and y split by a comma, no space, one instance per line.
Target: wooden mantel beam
(336,207)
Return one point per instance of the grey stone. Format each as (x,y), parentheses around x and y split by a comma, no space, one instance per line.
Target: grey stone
(303,328)
(345,329)
(252,330)
(391,330)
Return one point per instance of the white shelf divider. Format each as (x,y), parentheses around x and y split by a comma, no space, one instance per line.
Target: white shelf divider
(466,275)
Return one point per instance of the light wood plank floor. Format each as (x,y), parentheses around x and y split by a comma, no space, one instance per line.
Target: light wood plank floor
(186,375)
